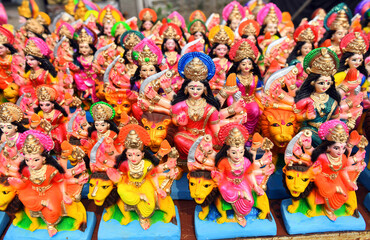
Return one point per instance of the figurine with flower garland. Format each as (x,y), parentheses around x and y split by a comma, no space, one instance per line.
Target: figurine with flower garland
(43,198)
(136,191)
(322,180)
(230,185)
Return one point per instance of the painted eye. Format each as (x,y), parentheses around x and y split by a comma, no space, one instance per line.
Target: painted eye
(275,125)
(6,192)
(207,185)
(160,128)
(191,184)
(304,179)
(289,177)
(289,124)
(105,187)
(147,128)
(91,185)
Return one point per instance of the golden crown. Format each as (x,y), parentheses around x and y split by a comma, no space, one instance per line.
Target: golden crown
(65,32)
(3,39)
(235,14)
(120,30)
(249,30)
(133,141)
(271,17)
(9,112)
(356,45)
(84,37)
(235,138)
(170,33)
(108,17)
(80,11)
(258,7)
(32,145)
(131,40)
(306,35)
(196,70)
(197,26)
(244,51)
(337,134)
(221,37)
(101,112)
(323,65)
(34,26)
(147,16)
(32,49)
(147,57)
(340,22)
(45,93)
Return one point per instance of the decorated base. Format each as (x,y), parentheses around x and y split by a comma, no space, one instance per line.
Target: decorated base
(180,188)
(210,229)
(275,188)
(4,219)
(112,230)
(298,223)
(41,234)
(367,202)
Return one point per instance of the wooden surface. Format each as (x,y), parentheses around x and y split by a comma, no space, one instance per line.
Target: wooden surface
(186,209)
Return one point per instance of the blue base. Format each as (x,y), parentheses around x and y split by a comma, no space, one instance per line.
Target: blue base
(41,234)
(112,230)
(212,230)
(367,202)
(180,188)
(275,188)
(4,219)
(298,223)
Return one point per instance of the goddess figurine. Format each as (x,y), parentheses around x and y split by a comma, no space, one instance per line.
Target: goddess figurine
(148,18)
(336,23)
(83,65)
(194,109)
(317,100)
(103,126)
(49,116)
(305,37)
(221,38)
(238,173)
(198,30)
(41,187)
(108,16)
(6,57)
(179,21)
(138,187)
(171,35)
(39,69)
(11,127)
(269,18)
(248,78)
(128,41)
(233,13)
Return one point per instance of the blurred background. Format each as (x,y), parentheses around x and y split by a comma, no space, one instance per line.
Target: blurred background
(298,8)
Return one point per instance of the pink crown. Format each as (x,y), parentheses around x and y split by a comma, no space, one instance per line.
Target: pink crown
(154,49)
(43,138)
(178,15)
(326,127)
(264,11)
(41,45)
(229,8)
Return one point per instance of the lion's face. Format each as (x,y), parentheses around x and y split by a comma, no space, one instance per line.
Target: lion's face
(157,132)
(7,194)
(297,181)
(99,190)
(11,92)
(281,127)
(200,188)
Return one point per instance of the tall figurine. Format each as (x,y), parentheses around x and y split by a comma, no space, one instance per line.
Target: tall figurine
(233,13)
(317,100)
(269,18)
(148,18)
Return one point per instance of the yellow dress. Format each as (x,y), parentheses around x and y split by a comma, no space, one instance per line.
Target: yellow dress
(135,183)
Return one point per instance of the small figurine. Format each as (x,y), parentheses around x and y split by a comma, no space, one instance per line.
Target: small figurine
(198,30)
(108,16)
(269,18)
(233,13)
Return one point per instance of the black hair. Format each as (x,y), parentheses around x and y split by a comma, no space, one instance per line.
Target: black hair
(49,160)
(137,77)
(297,51)
(177,48)
(147,155)
(19,125)
(255,71)
(77,53)
(210,99)
(343,66)
(112,127)
(262,31)
(322,148)
(212,55)
(328,34)
(45,64)
(10,47)
(37,35)
(307,89)
(56,106)
(223,153)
